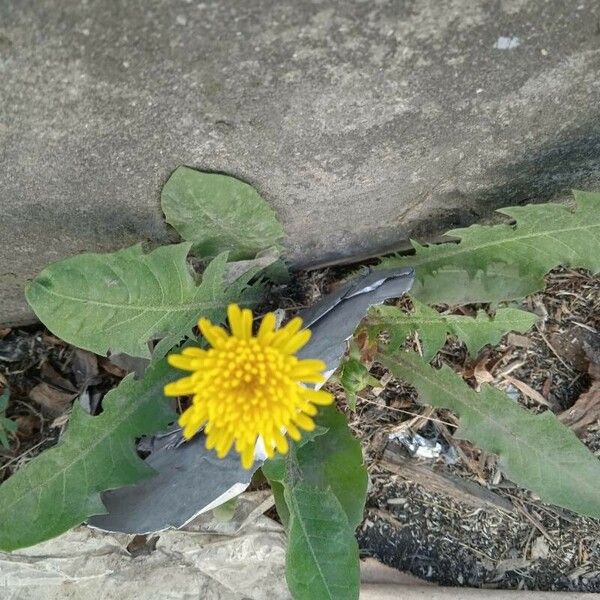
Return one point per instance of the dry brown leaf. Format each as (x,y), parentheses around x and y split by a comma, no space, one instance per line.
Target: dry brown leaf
(52,377)
(27,425)
(112,369)
(520,341)
(481,373)
(547,386)
(51,398)
(84,366)
(528,391)
(52,340)
(366,347)
(586,410)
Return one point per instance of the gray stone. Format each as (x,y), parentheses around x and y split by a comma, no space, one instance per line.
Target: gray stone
(361,122)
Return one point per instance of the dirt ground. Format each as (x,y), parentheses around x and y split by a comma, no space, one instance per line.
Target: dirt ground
(492,534)
(434,534)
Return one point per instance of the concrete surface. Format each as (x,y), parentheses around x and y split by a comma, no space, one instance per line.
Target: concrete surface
(361,122)
(400,592)
(380,582)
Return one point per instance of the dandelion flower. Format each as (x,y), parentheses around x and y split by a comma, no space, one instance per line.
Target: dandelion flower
(245,386)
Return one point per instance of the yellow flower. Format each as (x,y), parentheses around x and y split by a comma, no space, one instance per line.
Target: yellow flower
(248,386)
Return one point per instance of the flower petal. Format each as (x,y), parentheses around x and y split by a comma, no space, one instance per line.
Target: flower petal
(308,367)
(296,342)
(224,445)
(267,327)
(313,378)
(308,409)
(304,422)
(294,432)
(248,456)
(281,442)
(283,335)
(319,397)
(179,361)
(191,423)
(247,323)
(194,351)
(214,334)
(234,316)
(181,387)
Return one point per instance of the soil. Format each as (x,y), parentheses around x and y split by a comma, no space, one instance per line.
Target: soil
(433,535)
(409,524)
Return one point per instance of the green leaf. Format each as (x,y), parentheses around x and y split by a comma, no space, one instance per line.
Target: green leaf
(433,327)
(120,301)
(283,511)
(4,397)
(322,557)
(332,459)
(61,488)
(328,468)
(535,451)
(219,213)
(225,512)
(6,425)
(507,262)
(274,470)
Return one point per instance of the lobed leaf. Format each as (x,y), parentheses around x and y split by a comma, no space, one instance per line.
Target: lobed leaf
(120,301)
(61,488)
(535,451)
(433,327)
(219,213)
(507,262)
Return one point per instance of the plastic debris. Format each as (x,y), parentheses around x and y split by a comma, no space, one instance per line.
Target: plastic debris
(507,43)
(190,479)
(426,448)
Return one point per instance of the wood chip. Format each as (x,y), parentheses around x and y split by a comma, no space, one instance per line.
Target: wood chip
(520,341)
(540,548)
(461,490)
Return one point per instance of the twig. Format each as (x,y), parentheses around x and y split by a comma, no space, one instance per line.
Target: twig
(16,458)
(553,350)
(532,519)
(406,412)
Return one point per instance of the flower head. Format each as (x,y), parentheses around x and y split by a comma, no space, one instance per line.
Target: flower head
(247,386)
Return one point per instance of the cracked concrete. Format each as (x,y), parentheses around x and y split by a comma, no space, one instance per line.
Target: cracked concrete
(362,123)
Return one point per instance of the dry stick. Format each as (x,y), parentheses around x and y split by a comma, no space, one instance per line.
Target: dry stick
(406,412)
(552,349)
(532,519)
(16,458)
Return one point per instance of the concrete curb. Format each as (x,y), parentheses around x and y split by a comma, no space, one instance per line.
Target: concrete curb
(380,582)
